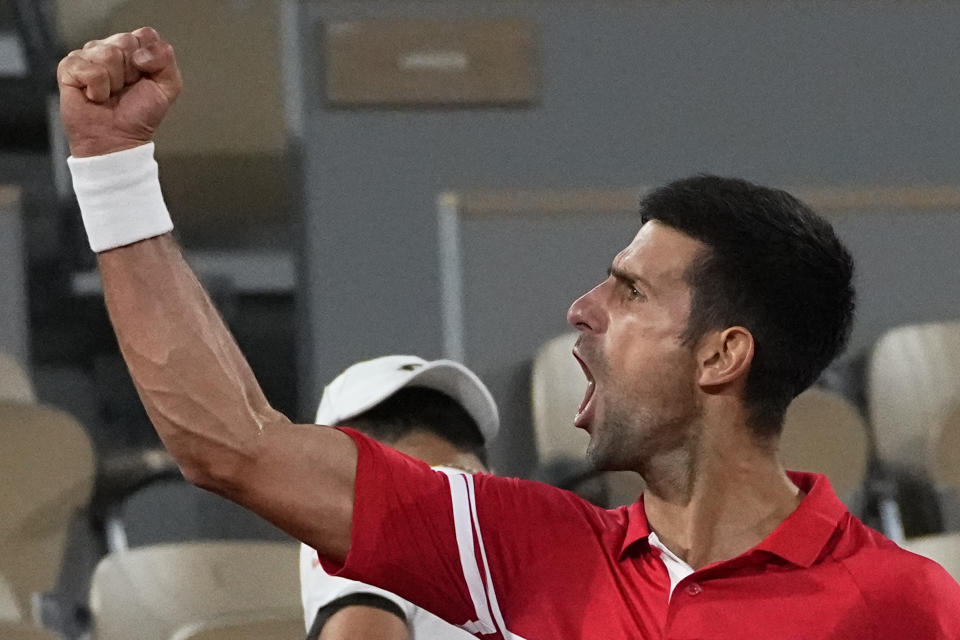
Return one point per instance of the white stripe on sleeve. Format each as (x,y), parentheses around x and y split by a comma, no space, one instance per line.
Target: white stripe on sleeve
(494,605)
(468,560)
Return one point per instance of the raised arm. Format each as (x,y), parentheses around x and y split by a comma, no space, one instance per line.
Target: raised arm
(192,378)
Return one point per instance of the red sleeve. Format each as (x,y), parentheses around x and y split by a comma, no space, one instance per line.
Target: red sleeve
(403,538)
(466,548)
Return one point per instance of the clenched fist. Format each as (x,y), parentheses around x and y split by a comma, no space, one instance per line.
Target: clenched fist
(115,92)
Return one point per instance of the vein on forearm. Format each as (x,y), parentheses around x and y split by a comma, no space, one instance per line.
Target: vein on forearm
(196,385)
(209,410)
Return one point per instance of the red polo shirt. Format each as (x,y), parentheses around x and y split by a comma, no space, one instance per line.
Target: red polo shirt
(507,558)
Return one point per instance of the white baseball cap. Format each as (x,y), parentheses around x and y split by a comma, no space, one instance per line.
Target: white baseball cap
(368,383)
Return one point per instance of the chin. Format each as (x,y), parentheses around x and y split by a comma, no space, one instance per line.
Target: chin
(601,458)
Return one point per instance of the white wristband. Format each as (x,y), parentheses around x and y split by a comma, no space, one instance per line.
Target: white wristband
(119,196)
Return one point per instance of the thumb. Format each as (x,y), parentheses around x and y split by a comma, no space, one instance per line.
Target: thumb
(157,60)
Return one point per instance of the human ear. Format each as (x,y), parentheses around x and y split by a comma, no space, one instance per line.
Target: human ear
(725,356)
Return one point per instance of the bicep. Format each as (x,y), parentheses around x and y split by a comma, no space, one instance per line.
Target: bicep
(301,478)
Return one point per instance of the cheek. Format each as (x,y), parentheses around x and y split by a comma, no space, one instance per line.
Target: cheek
(655,369)
(643,349)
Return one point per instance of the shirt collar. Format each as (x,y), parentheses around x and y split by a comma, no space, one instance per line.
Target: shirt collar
(637,526)
(798,539)
(801,537)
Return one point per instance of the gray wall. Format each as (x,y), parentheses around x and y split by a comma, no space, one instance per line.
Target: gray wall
(812,93)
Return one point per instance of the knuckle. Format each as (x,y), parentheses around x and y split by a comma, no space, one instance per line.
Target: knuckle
(146,34)
(66,64)
(123,40)
(113,54)
(91,72)
(105,54)
(74,64)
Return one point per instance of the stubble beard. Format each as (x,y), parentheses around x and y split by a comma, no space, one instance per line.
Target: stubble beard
(640,438)
(615,441)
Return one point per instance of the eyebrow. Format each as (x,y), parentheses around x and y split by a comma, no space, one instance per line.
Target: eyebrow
(630,278)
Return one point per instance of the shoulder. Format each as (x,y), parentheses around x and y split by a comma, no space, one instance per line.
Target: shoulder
(528,519)
(542,503)
(905,590)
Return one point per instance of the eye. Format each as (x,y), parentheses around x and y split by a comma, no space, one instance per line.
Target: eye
(636,294)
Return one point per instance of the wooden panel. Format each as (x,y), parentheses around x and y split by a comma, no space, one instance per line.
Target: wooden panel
(419,62)
(229,54)
(9,195)
(827,201)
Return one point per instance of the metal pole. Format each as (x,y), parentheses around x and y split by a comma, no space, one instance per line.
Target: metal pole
(451,276)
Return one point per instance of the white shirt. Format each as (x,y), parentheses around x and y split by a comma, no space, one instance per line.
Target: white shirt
(676,568)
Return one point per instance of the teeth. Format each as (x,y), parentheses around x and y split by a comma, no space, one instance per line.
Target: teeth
(588,393)
(586,396)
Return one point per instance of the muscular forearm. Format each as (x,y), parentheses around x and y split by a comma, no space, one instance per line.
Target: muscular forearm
(209,410)
(197,388)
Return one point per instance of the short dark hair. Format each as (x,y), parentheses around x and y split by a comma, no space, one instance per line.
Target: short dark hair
(771,265)
(420,408)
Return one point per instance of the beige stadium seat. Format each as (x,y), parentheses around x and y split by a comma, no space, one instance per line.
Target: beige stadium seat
(244,629)
(944,456)
(9,607)
(557,386)
(46,474)
(824,432)
(913,381)
(15,384)
(944,451)
(149,593)
(942,548)
(25,631)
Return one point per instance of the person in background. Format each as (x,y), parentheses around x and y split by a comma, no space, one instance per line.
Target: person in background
(438,412)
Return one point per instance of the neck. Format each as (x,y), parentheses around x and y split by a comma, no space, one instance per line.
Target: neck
(719,498)
(437,452)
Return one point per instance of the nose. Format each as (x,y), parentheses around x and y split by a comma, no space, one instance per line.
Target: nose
(585,314)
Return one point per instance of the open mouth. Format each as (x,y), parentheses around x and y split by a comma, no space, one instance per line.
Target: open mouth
(585,411)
